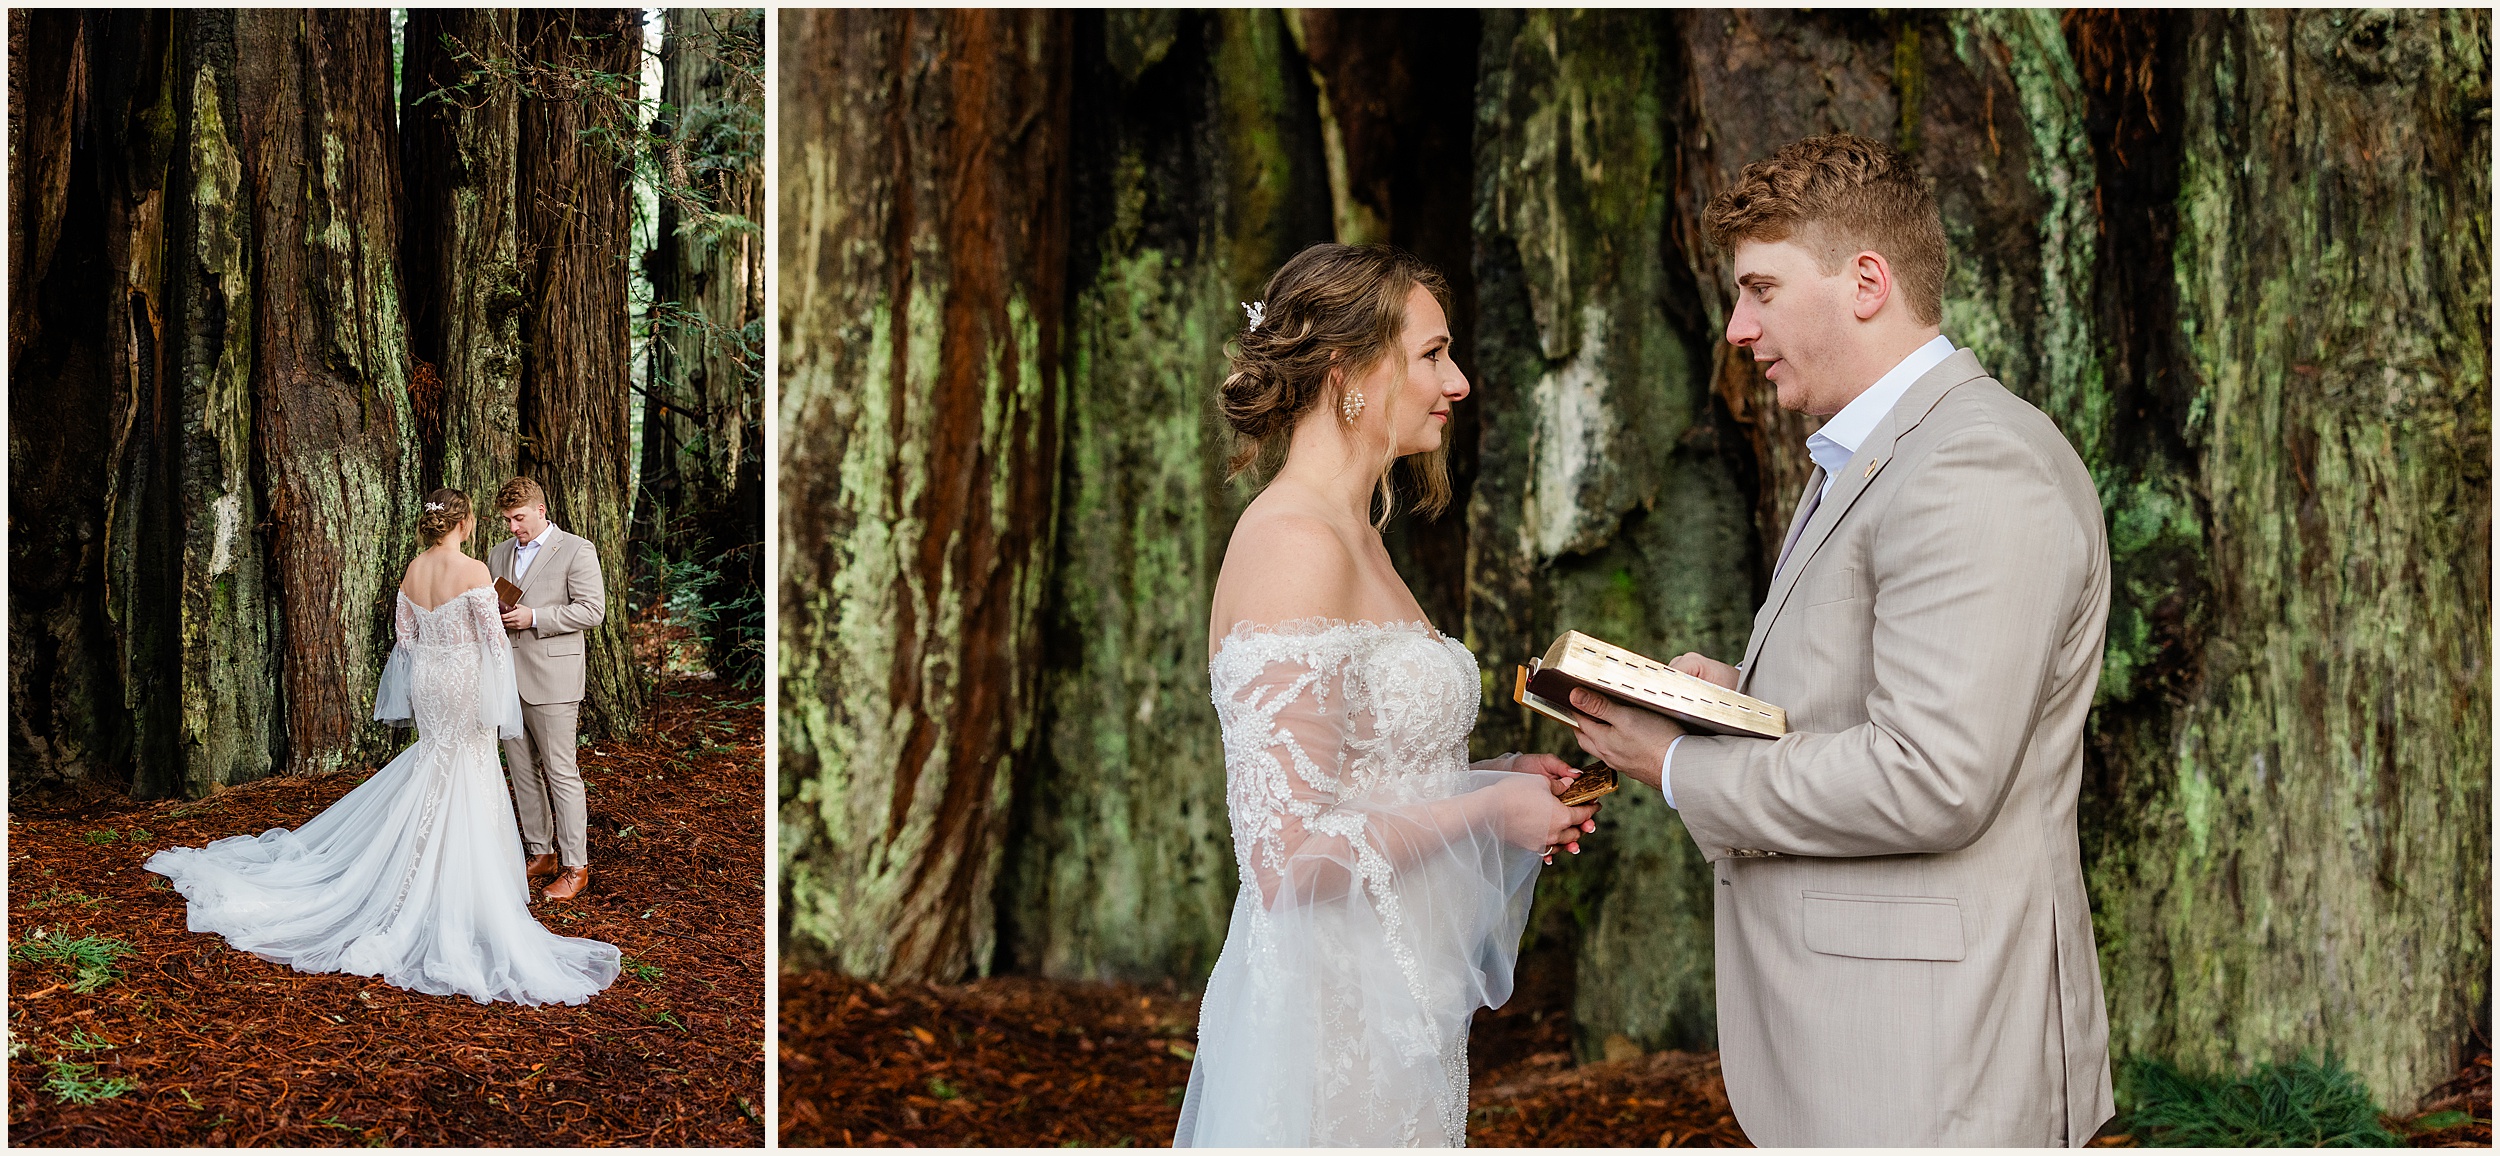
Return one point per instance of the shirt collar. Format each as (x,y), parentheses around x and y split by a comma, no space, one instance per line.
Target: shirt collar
(538,541)
(1832,446)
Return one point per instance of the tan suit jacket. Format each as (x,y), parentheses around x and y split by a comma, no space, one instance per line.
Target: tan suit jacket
(1905,950)
(568,593)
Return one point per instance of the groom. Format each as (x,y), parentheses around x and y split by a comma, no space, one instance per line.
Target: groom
(562,595)
(1905,949)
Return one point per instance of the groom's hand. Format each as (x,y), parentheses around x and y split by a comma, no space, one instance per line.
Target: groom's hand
(520,618)
(1633,741)
(1707,669)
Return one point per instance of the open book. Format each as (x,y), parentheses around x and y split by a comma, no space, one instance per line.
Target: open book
(1577,660)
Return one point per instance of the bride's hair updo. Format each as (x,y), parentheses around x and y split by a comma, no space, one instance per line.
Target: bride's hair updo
(444,510)
(1331,308)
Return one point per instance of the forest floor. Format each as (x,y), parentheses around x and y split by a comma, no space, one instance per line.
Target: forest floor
(182,1040)
(1038,1063)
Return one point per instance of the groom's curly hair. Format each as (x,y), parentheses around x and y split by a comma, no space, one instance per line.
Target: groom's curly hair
(1329,315)
(1841,195)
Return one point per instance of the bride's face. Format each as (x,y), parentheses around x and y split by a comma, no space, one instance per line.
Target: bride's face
(1412,408)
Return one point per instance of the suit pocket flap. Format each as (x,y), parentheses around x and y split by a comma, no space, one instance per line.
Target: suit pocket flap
(1883,926)
(561,644)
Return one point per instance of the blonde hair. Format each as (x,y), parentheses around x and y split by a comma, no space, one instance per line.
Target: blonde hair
(1840,195)
(1328,316)
(444,510)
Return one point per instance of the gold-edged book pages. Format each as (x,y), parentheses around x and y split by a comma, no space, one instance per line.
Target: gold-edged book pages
(1577,660)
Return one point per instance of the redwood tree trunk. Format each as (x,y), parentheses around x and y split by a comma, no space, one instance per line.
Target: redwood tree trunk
(330,372)
(461,138)
(2293,843)
(575,210)
(921,313)
(1122,861)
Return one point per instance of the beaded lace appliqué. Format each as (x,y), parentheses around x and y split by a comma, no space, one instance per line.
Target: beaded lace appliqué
(443,691)
(1406,698)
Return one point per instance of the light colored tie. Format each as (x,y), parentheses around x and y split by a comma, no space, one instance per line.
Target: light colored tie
(1797,529)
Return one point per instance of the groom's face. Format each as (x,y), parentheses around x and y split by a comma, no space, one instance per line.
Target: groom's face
(526,522)
(1796,321)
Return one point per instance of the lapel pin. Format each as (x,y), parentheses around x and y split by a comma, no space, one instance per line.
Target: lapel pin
(1870,466)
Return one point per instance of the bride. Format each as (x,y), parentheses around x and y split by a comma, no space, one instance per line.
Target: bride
(1384,880)
(416,876)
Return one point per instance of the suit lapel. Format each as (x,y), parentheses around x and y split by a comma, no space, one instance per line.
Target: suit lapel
(499,560)
(1854,478)
(533,584)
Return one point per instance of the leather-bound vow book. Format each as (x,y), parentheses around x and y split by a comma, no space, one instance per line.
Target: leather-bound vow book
(1577,660)
(507,593)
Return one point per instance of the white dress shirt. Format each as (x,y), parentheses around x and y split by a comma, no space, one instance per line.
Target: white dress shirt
(1832,446)
(526,553)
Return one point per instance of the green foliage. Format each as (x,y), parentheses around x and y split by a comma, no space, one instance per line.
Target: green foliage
(99,838)
(76,1083)
(91,957)
(646,972)
(730,620)
(2302,1104)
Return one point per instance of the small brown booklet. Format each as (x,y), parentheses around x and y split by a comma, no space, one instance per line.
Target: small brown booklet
(1577,660)
(507,593)
(1596,780)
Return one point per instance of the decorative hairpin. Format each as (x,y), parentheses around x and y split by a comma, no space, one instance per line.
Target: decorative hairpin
(1257,311)
(433,505)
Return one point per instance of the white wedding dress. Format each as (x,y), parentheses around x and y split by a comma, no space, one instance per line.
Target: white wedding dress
(1378,908)
(415,877)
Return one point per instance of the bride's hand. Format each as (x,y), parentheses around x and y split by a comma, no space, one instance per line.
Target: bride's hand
(1559,775)
(1530,818)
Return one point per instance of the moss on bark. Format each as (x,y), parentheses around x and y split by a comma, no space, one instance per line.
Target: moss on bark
(921,356)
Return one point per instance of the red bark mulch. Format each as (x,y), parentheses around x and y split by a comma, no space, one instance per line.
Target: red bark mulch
(1016,1061)
(1037,1063)
(221,1048)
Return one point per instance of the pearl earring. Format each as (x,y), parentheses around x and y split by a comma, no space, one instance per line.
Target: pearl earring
(1351,406)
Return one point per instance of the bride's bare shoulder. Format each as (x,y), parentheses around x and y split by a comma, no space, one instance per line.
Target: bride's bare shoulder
(1284,564)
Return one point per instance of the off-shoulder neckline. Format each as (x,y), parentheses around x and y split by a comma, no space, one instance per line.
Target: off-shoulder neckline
(1318,625)
(424,609)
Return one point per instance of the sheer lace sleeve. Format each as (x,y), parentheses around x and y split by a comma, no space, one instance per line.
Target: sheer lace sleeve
(1379,904)
(390,700)
(1322,797)
(498,695)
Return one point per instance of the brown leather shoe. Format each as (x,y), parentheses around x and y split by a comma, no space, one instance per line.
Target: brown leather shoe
(542,867)
(573,881)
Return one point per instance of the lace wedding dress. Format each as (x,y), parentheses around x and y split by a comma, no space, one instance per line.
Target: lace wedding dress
(416,876)
(1379,908)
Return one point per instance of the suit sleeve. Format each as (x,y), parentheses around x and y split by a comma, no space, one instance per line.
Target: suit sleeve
(1978,564)
(587,592)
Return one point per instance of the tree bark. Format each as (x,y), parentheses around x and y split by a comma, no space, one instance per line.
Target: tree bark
(1604,501)
(575,209)
(231,718)
(460,143)
(70,448)
(2294,850)
(921,345)
(330,371)
(1122,863)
